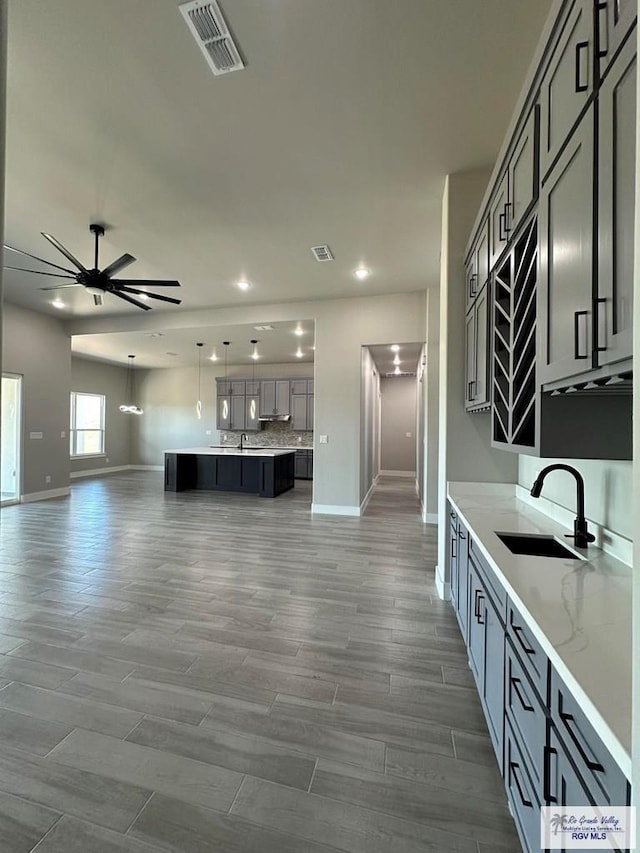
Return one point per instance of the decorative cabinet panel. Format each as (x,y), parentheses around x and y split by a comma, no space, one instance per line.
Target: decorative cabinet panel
(526,715)
(616,204)
(615,19)
(524,801)
(299,416)
(567,85)
(566,260)
(523,175)
(497,221)
(478,348)
(478,265)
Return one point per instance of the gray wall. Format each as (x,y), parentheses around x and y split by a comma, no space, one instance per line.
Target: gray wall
(369,424)
(36,347)
(397,450)
(95,377)
(636,481)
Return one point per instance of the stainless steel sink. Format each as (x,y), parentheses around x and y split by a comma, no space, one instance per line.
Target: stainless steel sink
(535,545)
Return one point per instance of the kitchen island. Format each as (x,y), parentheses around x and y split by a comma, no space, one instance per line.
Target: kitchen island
(265,472)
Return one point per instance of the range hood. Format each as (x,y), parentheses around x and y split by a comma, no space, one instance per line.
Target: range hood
(263,418)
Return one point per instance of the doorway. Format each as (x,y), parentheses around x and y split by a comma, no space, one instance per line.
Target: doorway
(10,430)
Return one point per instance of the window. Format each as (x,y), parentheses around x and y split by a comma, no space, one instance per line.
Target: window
(86,431)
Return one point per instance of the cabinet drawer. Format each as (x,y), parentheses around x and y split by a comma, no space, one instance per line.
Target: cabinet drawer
(603,778)
(299,386)
(525,714)
(493,586)
(532,658)
(525,805)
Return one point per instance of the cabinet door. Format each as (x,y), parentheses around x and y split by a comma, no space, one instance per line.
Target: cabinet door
(252,412)
(268,397)
(523,173)
(563,786)
(311,410)
(311,386)
(310,465)
(463,580)
(566,257)
(301,466)
(298,386)
(481,387)
(471,278)
(615,19)
(237,387)
(482,255)
(492,692)
(224,387)
(237,412)
(498,235)
(476,626)
(616,203)
(252,388)
(524,804)
(470,341)
(299,411)
(224,413)
(283,403)
(453,561)
(568,82)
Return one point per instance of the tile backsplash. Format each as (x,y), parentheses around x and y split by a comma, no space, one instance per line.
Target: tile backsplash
(273,434)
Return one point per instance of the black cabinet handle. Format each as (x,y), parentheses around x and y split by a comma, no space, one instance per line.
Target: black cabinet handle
(603,30)
(461,535)
(569,721)
(501,224)
(581,46)
(546,775)
(516,689)
(576,334)
(600,335)
(454,556)
(470,391)
(525,802)
(472,284)
(507,227)
(519,634)
(479,598)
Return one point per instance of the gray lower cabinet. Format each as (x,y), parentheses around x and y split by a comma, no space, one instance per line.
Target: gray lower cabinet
(304,465)
(567,84)
(616,204)
(566,261)
(524,802)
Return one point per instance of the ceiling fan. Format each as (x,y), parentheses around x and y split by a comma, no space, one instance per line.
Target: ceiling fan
(97,281)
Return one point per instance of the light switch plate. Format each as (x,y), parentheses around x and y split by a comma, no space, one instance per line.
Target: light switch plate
(324,439)
(207,432)
(36,435)
(63,434)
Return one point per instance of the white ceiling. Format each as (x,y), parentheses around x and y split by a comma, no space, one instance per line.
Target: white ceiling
(408,355)
(340,131)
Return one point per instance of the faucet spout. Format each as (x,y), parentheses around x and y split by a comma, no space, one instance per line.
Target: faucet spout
(243,437)
(581,533)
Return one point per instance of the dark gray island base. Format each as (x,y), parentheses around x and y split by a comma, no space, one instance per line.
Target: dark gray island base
(263,473)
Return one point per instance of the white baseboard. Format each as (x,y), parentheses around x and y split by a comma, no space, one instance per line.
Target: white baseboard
(430,517)
(397,473)
(45,496)
(367,498)
(98,472)
(443,589)
(334,509)
(146,467)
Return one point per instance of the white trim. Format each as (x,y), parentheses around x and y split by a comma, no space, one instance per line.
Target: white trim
(334,509)
(96,472)
(146,467)
(367,498)
(45,496)
(87,455)
(397,473)
(430,517)
(10,502)
(610,542)
(443,589)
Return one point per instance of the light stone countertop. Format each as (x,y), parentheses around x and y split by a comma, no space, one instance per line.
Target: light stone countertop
(229,451)
(579,611)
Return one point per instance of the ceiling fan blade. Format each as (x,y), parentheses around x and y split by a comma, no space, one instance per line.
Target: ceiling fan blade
(132,301)
(64,251)
(36,258)
(119,264)
(151,295)
(145,282)
(97,299)
(61,286)
(39,272)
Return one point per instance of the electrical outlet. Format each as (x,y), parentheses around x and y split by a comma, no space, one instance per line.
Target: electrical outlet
(324,439)
(299,439)
(47,479)
(207,432)
(63,434)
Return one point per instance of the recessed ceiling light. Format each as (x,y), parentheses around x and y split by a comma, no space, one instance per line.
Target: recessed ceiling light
(298,331)
(396,360)
(57,303)
(243,284)
(213,356)
(266,328)
(299,353)
(394,347)
(361,273)
(397,371)
(255,355)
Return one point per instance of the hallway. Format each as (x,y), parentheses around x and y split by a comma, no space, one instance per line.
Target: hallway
(199,672)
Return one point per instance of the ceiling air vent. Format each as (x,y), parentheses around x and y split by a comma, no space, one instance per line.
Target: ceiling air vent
(209,29)
(322,253)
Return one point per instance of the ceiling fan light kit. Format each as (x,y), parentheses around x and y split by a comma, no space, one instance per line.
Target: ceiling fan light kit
(99,282)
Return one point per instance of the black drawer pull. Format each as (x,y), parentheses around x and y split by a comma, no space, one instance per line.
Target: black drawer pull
(454,556)
(519,632)
(580,47)
(546,780)
(516,689)
(601,334)
(461,535)
(478,606)
(569,720)
(525,802)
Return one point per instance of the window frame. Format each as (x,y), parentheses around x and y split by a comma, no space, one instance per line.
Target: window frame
(74,431)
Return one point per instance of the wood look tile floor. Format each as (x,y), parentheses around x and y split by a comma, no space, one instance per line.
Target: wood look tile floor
(214,672)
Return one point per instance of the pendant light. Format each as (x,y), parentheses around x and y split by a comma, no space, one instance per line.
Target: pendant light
(199,400)
(129,407)
(253,405)
(225,399)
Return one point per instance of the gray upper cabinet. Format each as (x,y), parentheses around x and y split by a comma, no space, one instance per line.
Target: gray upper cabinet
(568,82)
(615,19)
(237,412)
(477,270)
(237,387)
(299,412)
(311,411)
(224,387)
(252,388)
(224,412)
(616,202)
(299,386)
(498,234)
(274,397)
(252,412)
(523,174)
(478,351)
(566,261)
(470,349)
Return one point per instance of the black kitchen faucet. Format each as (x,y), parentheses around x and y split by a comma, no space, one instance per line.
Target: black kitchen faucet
(581,533)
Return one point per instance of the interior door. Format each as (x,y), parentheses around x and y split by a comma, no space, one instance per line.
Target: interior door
(10,431)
